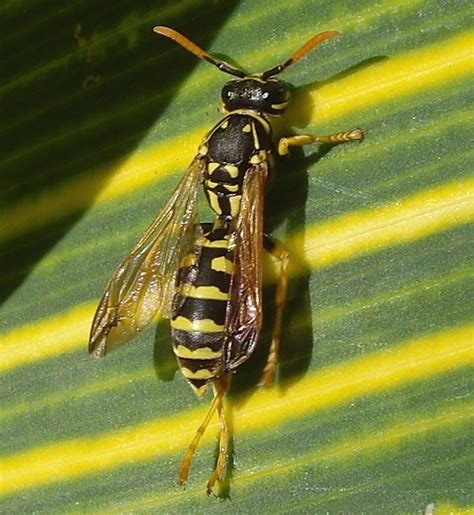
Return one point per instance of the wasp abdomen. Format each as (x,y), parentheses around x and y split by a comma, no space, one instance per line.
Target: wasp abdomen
(199,316)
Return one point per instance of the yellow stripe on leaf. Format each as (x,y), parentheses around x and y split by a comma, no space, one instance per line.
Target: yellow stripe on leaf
(428,67)
(406,74)
(142,168)
(450,509)
(388,438)
(47,338)
(405,220)
(369,230)
(380,371)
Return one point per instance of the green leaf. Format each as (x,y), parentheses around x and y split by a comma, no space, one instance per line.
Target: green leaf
(100,117)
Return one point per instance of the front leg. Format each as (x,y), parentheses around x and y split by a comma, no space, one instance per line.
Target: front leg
(307,139)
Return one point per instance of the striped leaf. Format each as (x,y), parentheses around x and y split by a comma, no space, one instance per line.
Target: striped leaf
(100,118)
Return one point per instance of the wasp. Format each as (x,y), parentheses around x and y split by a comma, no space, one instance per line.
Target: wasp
(207,277)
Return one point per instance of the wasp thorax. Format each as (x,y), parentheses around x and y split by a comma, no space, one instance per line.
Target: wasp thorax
(268,96)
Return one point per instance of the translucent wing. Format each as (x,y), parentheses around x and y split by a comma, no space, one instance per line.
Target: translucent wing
(144,282)
(244,310)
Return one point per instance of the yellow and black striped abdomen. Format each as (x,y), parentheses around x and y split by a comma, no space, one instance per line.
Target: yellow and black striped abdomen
(200,309)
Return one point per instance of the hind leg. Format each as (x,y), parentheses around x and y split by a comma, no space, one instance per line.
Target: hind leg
(188,457)
(281,255)
(221,385)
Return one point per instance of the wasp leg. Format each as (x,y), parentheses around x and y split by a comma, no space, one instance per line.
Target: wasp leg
(188,457)
(221,385)
(307,139)
(279,253)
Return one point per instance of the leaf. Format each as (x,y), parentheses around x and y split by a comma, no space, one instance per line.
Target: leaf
(99,119)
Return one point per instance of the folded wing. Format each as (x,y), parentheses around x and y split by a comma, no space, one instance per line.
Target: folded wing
(244,311)
(144,282)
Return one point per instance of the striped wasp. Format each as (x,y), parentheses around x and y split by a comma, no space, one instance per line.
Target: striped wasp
(207,277)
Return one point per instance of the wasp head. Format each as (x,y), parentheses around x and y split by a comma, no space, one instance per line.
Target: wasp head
(262,93)
(270,96)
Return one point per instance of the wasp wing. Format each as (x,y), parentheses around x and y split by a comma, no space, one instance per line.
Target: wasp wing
(144,282)
(244,310)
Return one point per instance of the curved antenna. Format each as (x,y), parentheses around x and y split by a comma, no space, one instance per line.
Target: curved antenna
(309,45)
(197,51)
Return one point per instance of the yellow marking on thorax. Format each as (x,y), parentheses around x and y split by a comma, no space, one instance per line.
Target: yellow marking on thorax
(214,202)
(203,326)
(222,264)
(256,141)
(259,157)
(253,114)
(246,128)
(231,188)
(203,292)
(233,170)
(199,374)
(212,166)
(224,124)
(234,202)
(211,184)
(203,150)
(202,353)
(280,106)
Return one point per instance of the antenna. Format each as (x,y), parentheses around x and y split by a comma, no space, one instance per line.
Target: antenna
(309,45)
(197,51)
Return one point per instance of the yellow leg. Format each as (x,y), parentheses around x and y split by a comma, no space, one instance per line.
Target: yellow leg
(307,139)
(281,255)
(223,449)
(221,385)
(188,457)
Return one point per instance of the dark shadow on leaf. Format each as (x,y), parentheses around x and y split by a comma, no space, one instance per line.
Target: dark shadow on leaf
(366,63)
(285,206)
(334,79)
(81,87)
(164,360)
